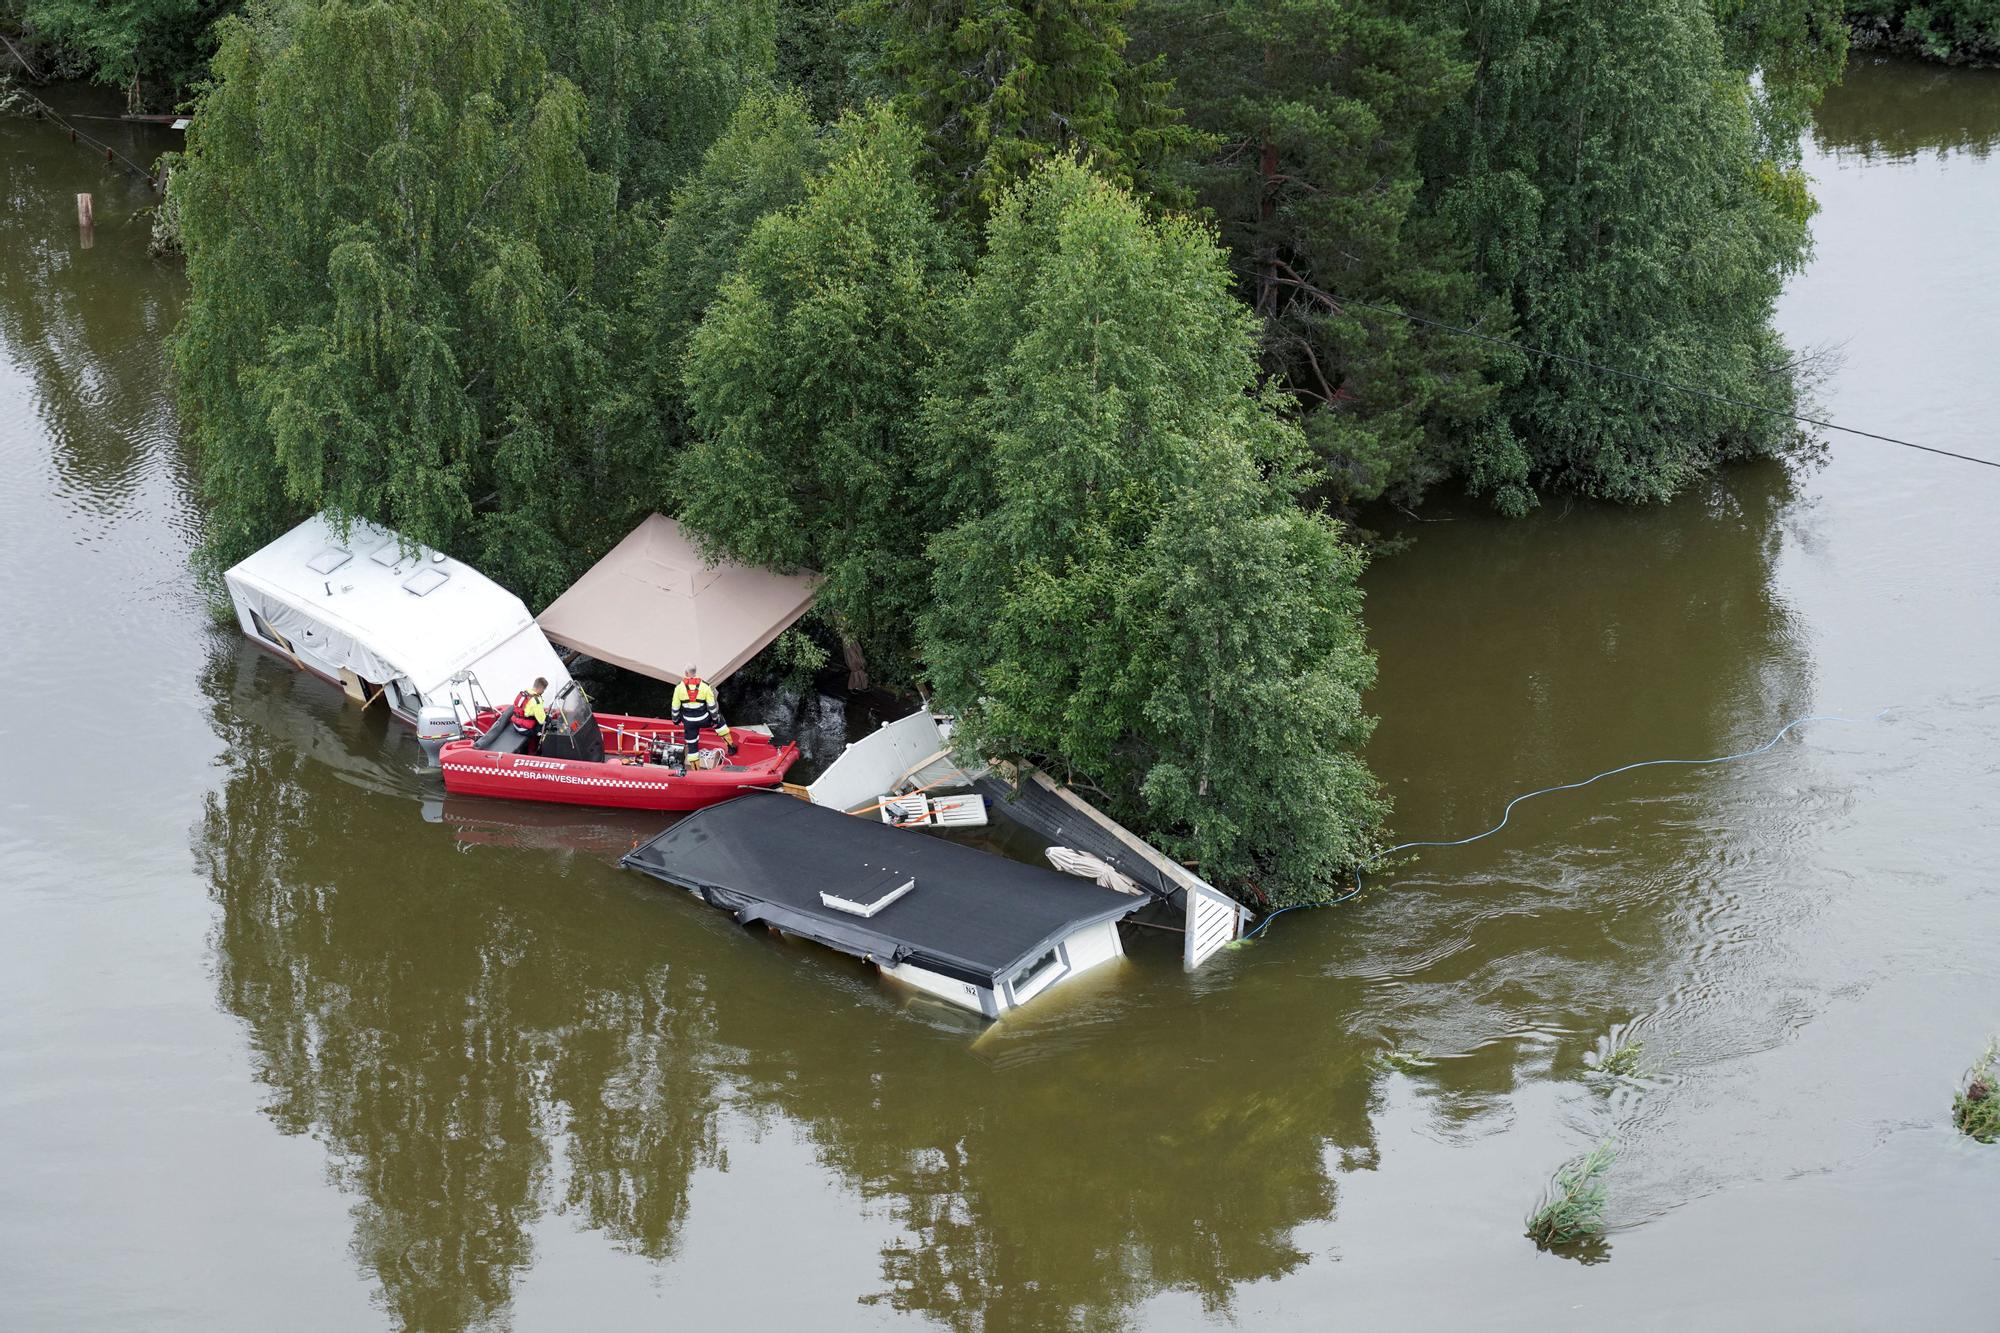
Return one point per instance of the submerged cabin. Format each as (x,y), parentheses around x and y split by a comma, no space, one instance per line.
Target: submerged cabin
(967,926)
(384,619)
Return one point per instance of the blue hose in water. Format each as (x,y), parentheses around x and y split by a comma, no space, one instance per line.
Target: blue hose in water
(1508,813)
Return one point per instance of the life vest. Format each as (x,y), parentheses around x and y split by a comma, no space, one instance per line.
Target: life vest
(695,707)
(524,722)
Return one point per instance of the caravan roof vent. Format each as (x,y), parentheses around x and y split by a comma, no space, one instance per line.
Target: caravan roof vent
(332,558)
(390,553)
(426,581)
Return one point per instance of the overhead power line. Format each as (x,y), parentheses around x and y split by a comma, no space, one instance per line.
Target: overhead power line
(1655,380)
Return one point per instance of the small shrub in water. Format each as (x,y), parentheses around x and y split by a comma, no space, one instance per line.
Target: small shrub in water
(1975,1108)
(1574,1206)
(1622,1062)
(1403,1062)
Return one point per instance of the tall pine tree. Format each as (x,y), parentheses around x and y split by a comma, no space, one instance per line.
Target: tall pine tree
(999,85)
(760,165)
(1314,110)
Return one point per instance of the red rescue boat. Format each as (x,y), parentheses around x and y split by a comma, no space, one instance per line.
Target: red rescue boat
(609,759)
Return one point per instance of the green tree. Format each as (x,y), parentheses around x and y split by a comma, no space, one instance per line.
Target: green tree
(827,54)
(1315,109)
(1796,49)
(154,49)
(999,85)
(758,166)
(1953,31)
(400,270)
(1605,169)
(804,381)
(661,77)
(1132,595)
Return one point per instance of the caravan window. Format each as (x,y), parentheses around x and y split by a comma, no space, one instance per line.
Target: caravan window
(271,635)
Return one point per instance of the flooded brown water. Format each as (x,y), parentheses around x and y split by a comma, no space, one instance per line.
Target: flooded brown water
(287,1042)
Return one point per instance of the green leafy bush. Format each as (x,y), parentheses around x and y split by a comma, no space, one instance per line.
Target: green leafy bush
(1953,31)
(797,658)
(1573,1206)
(1975,1108)
(1622,1061)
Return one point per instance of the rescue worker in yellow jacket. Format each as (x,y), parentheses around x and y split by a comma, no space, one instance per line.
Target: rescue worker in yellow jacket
(695,707)
(531,715)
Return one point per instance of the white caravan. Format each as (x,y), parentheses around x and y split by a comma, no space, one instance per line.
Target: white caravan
(383,618)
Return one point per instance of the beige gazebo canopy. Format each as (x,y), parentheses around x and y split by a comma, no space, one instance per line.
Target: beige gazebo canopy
(653,605)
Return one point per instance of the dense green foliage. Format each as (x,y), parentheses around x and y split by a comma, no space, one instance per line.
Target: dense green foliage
(1956,31)
(758,166)
(999,85)
(1596,178)
(154,49)
(1975,1107)
(804,381)
(1796,49)
(1315,109)
(1042,330)
(827,54)
(405,273)
(1604,171)
(1133,595)
(660,77)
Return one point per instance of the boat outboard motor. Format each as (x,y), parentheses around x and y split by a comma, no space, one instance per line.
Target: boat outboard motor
(436,724)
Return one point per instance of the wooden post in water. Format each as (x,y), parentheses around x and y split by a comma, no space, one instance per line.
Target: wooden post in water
(86,221)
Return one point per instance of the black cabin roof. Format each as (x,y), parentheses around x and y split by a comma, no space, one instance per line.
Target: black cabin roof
(973,915)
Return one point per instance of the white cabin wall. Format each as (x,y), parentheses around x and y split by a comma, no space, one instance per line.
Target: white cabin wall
(961,993)
(1093,945)
(1077,953)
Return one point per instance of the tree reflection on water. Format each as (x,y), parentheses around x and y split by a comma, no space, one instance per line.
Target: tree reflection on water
(89,326)
(442,1033)
(1886,107)
(490,1028)
(478,1041)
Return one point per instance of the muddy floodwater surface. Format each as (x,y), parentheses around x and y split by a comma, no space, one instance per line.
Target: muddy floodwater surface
(288,1042)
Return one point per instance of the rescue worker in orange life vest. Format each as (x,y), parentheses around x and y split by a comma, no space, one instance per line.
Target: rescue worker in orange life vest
(531,715)
(695,707)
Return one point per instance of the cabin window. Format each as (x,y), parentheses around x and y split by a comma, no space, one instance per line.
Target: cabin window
(1036,977)
(264,628)
(332,558)
(426,581)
